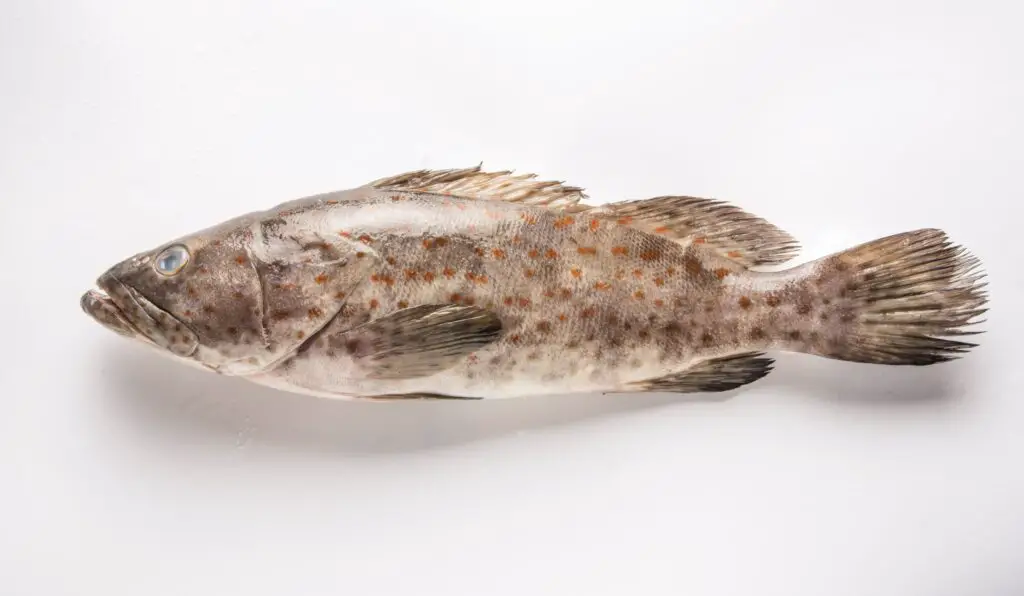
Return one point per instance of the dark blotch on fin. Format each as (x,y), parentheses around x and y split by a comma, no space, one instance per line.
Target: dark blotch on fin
(419,341)
(718,374)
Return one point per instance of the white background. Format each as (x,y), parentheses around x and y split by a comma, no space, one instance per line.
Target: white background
(127,123)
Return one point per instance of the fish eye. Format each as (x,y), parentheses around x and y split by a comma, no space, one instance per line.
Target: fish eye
(171,260)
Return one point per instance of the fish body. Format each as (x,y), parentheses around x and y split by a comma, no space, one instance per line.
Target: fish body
(472,284)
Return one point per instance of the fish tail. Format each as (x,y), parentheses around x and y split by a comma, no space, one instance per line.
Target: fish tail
(899,300)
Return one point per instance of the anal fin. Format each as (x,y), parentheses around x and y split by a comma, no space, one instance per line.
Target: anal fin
(714,375)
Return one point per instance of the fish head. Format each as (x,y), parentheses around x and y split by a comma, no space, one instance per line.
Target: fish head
(235,298)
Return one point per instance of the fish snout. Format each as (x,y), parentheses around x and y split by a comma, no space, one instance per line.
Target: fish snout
(125,310)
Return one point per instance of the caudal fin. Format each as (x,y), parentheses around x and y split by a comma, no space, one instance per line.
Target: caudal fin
(900,299)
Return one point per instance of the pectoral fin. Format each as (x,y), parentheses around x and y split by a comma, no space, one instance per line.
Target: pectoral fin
(418,341)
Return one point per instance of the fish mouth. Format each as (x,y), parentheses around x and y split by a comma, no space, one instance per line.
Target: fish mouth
(125,311)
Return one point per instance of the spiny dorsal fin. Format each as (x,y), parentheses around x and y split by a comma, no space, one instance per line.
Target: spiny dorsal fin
(714,375)
(731,231)
(473,183)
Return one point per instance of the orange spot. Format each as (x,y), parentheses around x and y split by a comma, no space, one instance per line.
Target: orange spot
(549,293)
(481,279)
(315,313)
(321,279)
(345,234)
(576,272)
(566,293)
(514,338)
(449,272)
(721,272)
(588,312)
(659,281)
(470,276)
(602,285)
(374,303)
(300,334)
(551,253)
(331,202)
(625,221)
(661,229)
(529,218)
(543,326)
(744,302)
(530,273)
(403,304)
(650,255)
(620,274)
(360,255)
(670,271)
(639,294)
(533,254)
(772,300)
(456,297)
(428,276)
(388,280)
(365,239)
(733,254)
(441,242)
(410,274)
(594,224)
(479,251)
(659,303)
(375,278)
(241,260)
(428,243)
(509,301)
(700,240)
(524,302)
(390,260)
(587,250)
(339,295)
(498,253)
(620,251)
(563,222)
(562,317)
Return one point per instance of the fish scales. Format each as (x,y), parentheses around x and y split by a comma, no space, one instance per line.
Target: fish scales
(472,284)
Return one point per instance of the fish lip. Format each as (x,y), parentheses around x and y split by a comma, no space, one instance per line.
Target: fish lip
(123,309)
(98,305)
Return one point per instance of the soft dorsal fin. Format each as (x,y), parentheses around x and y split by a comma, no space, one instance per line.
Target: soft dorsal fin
(729,230)
(474,183)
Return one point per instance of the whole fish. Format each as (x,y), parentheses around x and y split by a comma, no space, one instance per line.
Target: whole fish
(467,284)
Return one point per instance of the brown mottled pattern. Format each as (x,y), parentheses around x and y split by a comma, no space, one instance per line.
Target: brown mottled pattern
(402,288)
